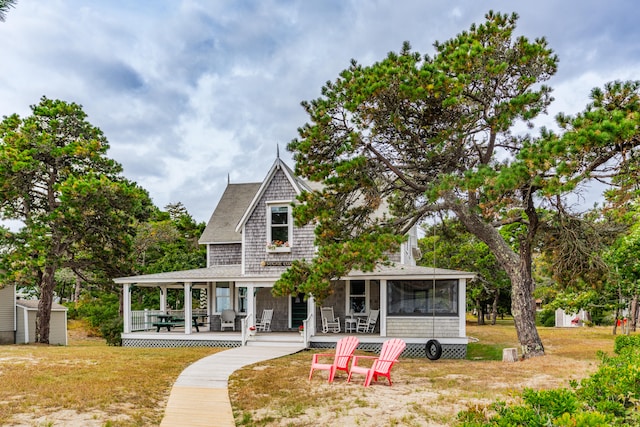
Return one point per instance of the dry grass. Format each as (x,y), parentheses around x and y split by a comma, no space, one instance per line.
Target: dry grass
(424,393)
(88,383)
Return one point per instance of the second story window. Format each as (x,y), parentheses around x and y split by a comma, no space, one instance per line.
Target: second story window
(279,228)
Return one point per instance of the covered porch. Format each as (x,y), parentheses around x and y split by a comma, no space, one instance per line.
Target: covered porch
(416,304)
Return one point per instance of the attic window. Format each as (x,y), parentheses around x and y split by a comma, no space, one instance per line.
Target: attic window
(279,228)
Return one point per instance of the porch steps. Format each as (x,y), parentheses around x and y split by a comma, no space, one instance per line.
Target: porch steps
(274,339)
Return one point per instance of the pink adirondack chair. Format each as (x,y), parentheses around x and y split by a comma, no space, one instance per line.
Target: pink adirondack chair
(344,351)
(391,350)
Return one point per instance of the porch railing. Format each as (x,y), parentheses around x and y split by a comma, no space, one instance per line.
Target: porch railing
(143,320)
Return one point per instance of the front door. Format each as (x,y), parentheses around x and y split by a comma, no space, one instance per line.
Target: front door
(298,310)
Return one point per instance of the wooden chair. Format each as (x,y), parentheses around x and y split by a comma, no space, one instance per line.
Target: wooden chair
(368,325)
(344,351)
(329,322)
(391,350)
(264,324)
(228,319)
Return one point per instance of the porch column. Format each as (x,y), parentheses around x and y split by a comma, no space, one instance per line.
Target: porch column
(210,300)
(462,305)
(163,298)
(187,308)
(251,304)
(126,308)
(383,308)
(311,314)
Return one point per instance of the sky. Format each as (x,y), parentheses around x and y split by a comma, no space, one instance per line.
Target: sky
(192,94)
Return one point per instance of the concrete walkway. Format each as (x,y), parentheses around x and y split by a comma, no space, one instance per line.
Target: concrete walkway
(200,397)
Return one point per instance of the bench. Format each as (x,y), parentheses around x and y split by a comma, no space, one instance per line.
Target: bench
(167,325)
(195,322)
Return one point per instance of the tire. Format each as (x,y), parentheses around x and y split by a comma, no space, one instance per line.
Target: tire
(433,349)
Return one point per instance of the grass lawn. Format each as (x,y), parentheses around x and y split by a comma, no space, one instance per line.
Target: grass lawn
(90,384)
(424,393)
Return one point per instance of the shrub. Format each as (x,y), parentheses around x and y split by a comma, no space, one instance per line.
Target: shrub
(611,396)
(615,387)
(111,331)
(101,312)
(623,341)
(546,318)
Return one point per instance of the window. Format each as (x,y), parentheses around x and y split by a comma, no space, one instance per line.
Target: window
(279,228)
(357,297)
(223,296)
(422,298)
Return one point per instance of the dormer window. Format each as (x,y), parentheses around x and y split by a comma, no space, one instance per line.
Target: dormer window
(279,227)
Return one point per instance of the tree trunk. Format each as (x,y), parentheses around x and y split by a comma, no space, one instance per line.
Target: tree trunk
(634,313)
(77,289)
(494,308)
(518,266)
(523,308)
(480,312)
(43,317)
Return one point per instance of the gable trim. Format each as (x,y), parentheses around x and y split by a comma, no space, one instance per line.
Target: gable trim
(277,165)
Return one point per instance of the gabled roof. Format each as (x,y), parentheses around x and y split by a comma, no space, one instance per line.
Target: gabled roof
(221,227)
(298,185)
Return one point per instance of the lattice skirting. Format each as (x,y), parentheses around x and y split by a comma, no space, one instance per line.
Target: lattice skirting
(132,342)
(449,351)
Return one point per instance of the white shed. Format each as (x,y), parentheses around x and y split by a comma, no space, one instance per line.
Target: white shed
(567,320)
(26,311)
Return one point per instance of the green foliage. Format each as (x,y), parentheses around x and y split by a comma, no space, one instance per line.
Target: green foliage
(624,341)
(5,5)
(610,396)
(449,245)
(169,242)
(111,330)
(384,136)
(98,309)
(77,209)
(546,317)
(414,136)
(614,388)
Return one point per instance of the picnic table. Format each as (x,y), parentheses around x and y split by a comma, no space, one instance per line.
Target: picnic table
(169,321)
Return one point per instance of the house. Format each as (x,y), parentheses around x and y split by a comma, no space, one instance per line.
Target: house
(18,319)
(251,240)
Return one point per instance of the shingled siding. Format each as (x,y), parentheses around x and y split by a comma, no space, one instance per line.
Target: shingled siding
(225,254)
(280,306)
(421,327)
(255,240)
(338,300)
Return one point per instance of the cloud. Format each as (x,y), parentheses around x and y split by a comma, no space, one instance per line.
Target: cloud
(192,93)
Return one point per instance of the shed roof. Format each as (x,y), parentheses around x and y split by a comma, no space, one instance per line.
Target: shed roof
(32,304)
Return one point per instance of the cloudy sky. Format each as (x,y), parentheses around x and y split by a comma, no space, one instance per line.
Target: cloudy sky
(192,92)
